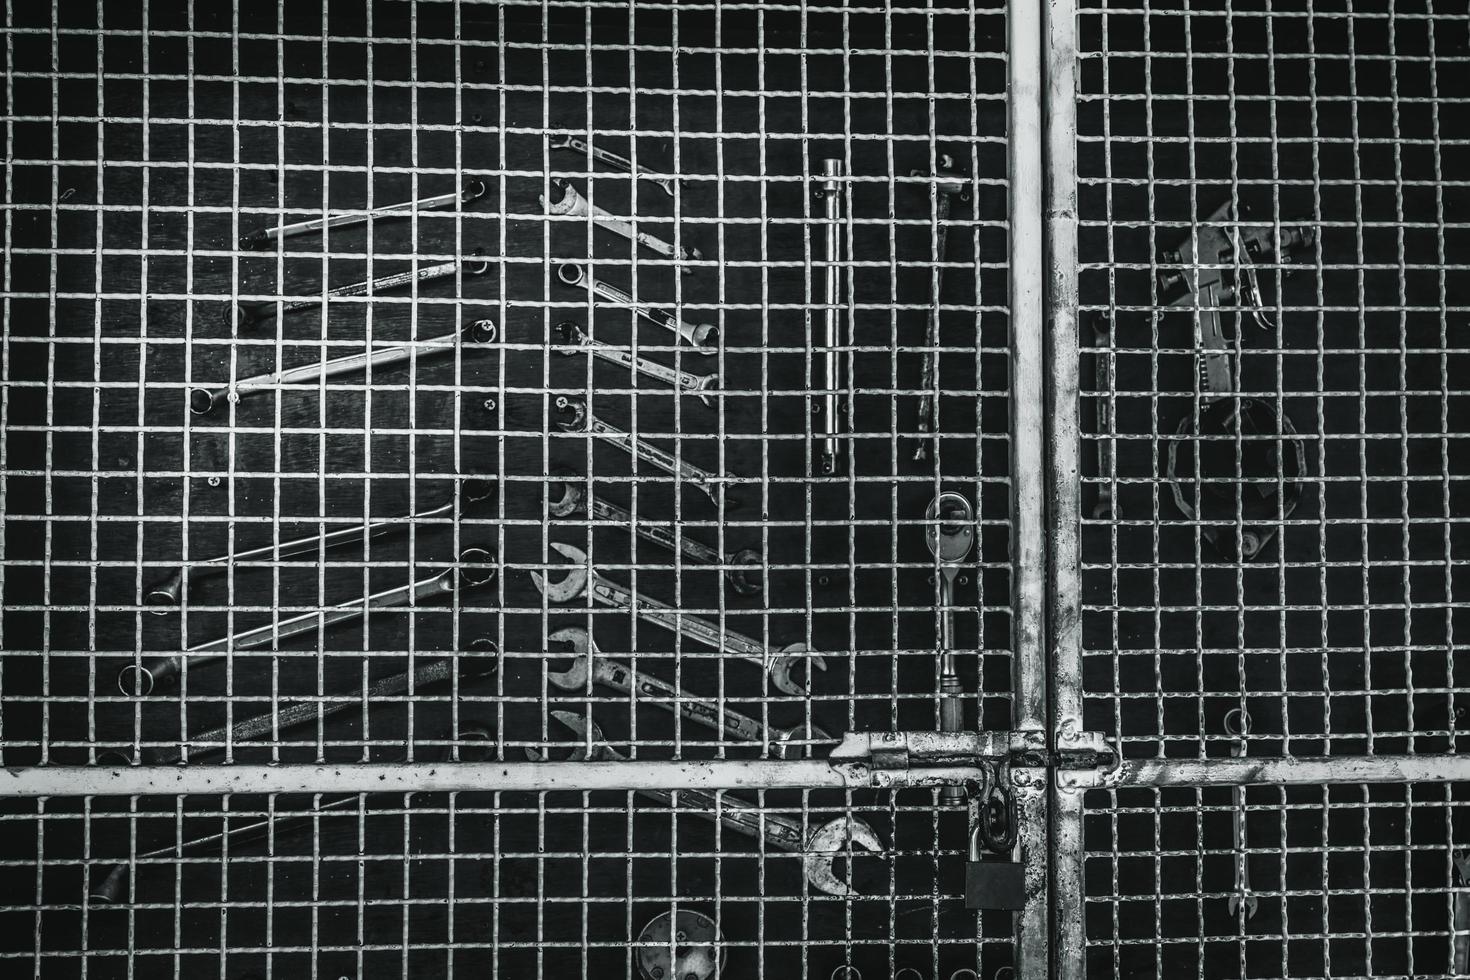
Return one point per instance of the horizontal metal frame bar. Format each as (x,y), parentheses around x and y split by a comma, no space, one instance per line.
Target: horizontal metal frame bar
(1301,771)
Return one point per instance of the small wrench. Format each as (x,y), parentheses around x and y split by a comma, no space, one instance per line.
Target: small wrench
(948,183)
(743,573)
(248,313)
(576,418)
(584,580)
(168,592)
(590,667)
(950,534)
(613,159)
(704,338)
(1238,726)
(574,338)
(472,188)
(202,400)
(818,848)
(474,568)
(566,202)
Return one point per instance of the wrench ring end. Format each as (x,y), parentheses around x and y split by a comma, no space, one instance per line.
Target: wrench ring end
(749,580)
(472,190)
(477,488)
(706,337)
(142,681)
(570,273)
(162,600)
(201,401)
(476,566)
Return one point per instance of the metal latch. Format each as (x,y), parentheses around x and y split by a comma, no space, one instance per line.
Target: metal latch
(1084,759)
(895,760)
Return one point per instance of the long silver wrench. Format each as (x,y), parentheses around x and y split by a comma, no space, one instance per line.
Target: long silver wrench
(1238,726)
(471,188)
(829,456)
(566,202)
(584,580)
(576,418)
(167,593)
(948,183)
(590,667)
(203,400)
(743,567)
(248,313)
(574,338)
(703,338)
(615,160)
(817,848)
(474,568)
(949,532)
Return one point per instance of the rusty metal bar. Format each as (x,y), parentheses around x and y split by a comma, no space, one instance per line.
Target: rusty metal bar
(1285,771)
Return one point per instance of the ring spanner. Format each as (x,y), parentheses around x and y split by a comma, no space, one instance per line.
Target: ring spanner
(168,592)
(613,159)
(948,183)
(949,532)
(584,580)
(248,313)
(590,667)
(566,202)
(471,189)
(203,400)
(475,567)
(743,571)
(576,418)
(574,338)
(704,338)
(818,849)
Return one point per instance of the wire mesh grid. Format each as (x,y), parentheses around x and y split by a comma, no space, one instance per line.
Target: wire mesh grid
(148,151)
(1270,220)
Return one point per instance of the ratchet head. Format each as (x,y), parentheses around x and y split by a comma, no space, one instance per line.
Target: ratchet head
(831,839)
(575,677)
(950,533)
(573,584)
(571,414)
(791,658)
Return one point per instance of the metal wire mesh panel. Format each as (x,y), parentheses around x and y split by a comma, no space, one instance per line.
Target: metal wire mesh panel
(1270,217)
(212,350)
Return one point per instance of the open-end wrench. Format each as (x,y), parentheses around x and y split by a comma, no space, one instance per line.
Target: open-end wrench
(1238,726)
(166,594)
(584,580)
(590,666)
(471,188)
(574,338)
(615,160)
(948,183)
(817,848)
(743,570)
(574,417)
(703,338)
(566,202)
(949,532)
(247,313)
(202,400)
(475,567)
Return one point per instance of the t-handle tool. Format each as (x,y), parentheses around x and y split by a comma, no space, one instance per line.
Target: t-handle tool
(471,188)
(582,579)
(1238,727)
(248,313)
(947,183)
(743,568)
(566,202)
(667,184)
(949,531)
(833,197)
(163,596)
(475,567)
(590,666)
(818,848)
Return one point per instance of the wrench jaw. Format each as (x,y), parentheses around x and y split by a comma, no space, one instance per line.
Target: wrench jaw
(829,840)
(573,584)
(797,741)
(564,198)
(589,731)
(790,658)
(571,501)
(572,338)
(705,336)
(745,574)
(576,677)
(472,189)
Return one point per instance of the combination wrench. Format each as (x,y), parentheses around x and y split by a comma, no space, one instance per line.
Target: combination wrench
(248,313)
(613,159)
(949,532)
(947,183)
(203,400)
(574,338)
(1238,727)
(167,593)
(818,848)
(742,571)
(590,667)
(584,580)
(471,189)
(567,203)
(703,338)
(576,418)
(475,567)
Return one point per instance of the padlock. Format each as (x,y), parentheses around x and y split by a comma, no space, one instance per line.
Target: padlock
(998,882)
